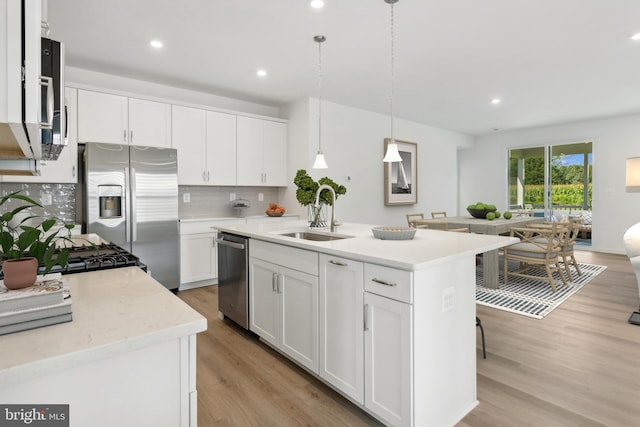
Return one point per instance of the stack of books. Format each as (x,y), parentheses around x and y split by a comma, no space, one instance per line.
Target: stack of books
(45,303)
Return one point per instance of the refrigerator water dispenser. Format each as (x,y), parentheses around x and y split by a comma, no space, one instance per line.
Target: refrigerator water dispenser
(110,201)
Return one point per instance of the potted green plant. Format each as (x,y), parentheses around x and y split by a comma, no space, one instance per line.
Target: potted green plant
(306,195)
(25,247)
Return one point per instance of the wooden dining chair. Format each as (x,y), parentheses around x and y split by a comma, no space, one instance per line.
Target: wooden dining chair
(435,215)
(412,217)
(539,248)
(565,254)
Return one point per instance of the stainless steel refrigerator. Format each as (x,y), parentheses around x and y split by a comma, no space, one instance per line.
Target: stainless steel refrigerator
(131,199)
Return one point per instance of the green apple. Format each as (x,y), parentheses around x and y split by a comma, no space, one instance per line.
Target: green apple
(507,215)
(491,216)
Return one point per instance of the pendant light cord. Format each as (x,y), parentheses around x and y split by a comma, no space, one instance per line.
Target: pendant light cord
(392,74)
(320,93)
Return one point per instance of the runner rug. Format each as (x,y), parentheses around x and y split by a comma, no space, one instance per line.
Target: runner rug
(530,297)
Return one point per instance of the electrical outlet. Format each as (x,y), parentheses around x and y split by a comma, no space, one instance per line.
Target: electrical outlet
(260,197)
(448,300)
(186,198)
(232,197)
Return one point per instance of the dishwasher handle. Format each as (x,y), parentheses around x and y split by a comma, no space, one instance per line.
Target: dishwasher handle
(221,241)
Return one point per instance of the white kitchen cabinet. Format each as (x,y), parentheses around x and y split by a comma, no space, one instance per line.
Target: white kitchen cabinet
(149,123)
(115,119)
(16,75)
(199,251)
(221,148)
(64,170)
(198,257)
(341,333)
(189,138)
(284,301)
(261,152)
(388,359)
(206,144)
(102,117)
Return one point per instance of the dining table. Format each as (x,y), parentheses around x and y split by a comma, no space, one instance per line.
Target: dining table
(490,259)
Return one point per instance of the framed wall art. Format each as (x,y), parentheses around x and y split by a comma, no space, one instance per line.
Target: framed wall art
(401,178)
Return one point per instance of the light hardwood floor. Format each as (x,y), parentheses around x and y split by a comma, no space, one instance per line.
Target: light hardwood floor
(579,366)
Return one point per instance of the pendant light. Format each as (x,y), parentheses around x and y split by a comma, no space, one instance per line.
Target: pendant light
(320,163)
(392,154)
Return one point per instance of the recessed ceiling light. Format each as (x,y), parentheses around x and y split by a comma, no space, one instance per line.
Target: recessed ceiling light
(495,101)
(261,73)
(156,43)
(317,4)
(636,36)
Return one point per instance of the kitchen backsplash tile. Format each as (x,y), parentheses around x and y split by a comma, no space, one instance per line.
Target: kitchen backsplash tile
(204,201)
(215,201)
(58,200)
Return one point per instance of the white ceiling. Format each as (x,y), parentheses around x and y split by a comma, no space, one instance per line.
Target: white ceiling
(550,61)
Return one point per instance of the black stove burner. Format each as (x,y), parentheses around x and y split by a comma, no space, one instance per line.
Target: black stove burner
(100,257)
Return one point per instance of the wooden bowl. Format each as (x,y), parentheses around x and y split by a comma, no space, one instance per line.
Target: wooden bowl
(275,214)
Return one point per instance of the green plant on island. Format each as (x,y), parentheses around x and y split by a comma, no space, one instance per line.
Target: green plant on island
(307,188)
(19,239)
(507,215)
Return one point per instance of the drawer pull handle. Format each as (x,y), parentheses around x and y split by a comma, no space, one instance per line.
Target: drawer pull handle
(383,282)
(340,264)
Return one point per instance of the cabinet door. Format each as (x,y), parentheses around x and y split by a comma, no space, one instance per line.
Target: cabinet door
(189,130)
(102,117)
(299,316)
(249,151)
(264,300)
(221,148)
(65,168)
(275,153)
(341,325)
(198,257)
(149,123)
(388,359)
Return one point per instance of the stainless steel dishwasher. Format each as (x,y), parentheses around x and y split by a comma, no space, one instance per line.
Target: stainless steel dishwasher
(233,283)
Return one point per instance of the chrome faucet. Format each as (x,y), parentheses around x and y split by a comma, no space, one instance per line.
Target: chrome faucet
(333,204)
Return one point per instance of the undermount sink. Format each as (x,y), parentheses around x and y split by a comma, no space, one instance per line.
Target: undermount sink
(318,237)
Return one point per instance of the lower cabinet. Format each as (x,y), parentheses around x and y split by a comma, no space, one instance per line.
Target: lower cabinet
(284,301)
(341,325)
(198,257)
(388,359)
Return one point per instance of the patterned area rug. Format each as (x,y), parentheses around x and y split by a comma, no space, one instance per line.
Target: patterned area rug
(530,297)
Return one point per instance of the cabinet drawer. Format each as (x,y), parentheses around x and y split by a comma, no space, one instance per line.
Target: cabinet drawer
(389,282)
(286,256)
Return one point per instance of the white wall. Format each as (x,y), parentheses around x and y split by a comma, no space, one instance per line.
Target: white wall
(483,176)
(353,144)
(78,77)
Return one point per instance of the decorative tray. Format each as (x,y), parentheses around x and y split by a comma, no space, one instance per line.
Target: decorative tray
(393,233)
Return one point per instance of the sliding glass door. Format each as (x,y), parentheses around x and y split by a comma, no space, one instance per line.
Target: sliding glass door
(553,181)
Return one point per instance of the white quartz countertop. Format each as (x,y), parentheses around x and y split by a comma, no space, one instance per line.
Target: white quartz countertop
(426,248)
(232,218)
(114,311)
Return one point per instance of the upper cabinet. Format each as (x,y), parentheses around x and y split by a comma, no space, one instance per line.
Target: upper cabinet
(20,59)
(116,119)
(261,152)
(188,135)
(64,170)
(149,123)
(206,144)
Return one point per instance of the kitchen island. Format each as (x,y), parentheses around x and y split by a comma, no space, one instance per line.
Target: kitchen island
(127,358)
(390,324)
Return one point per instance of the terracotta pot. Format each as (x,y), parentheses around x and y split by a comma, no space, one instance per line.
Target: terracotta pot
(20,273)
